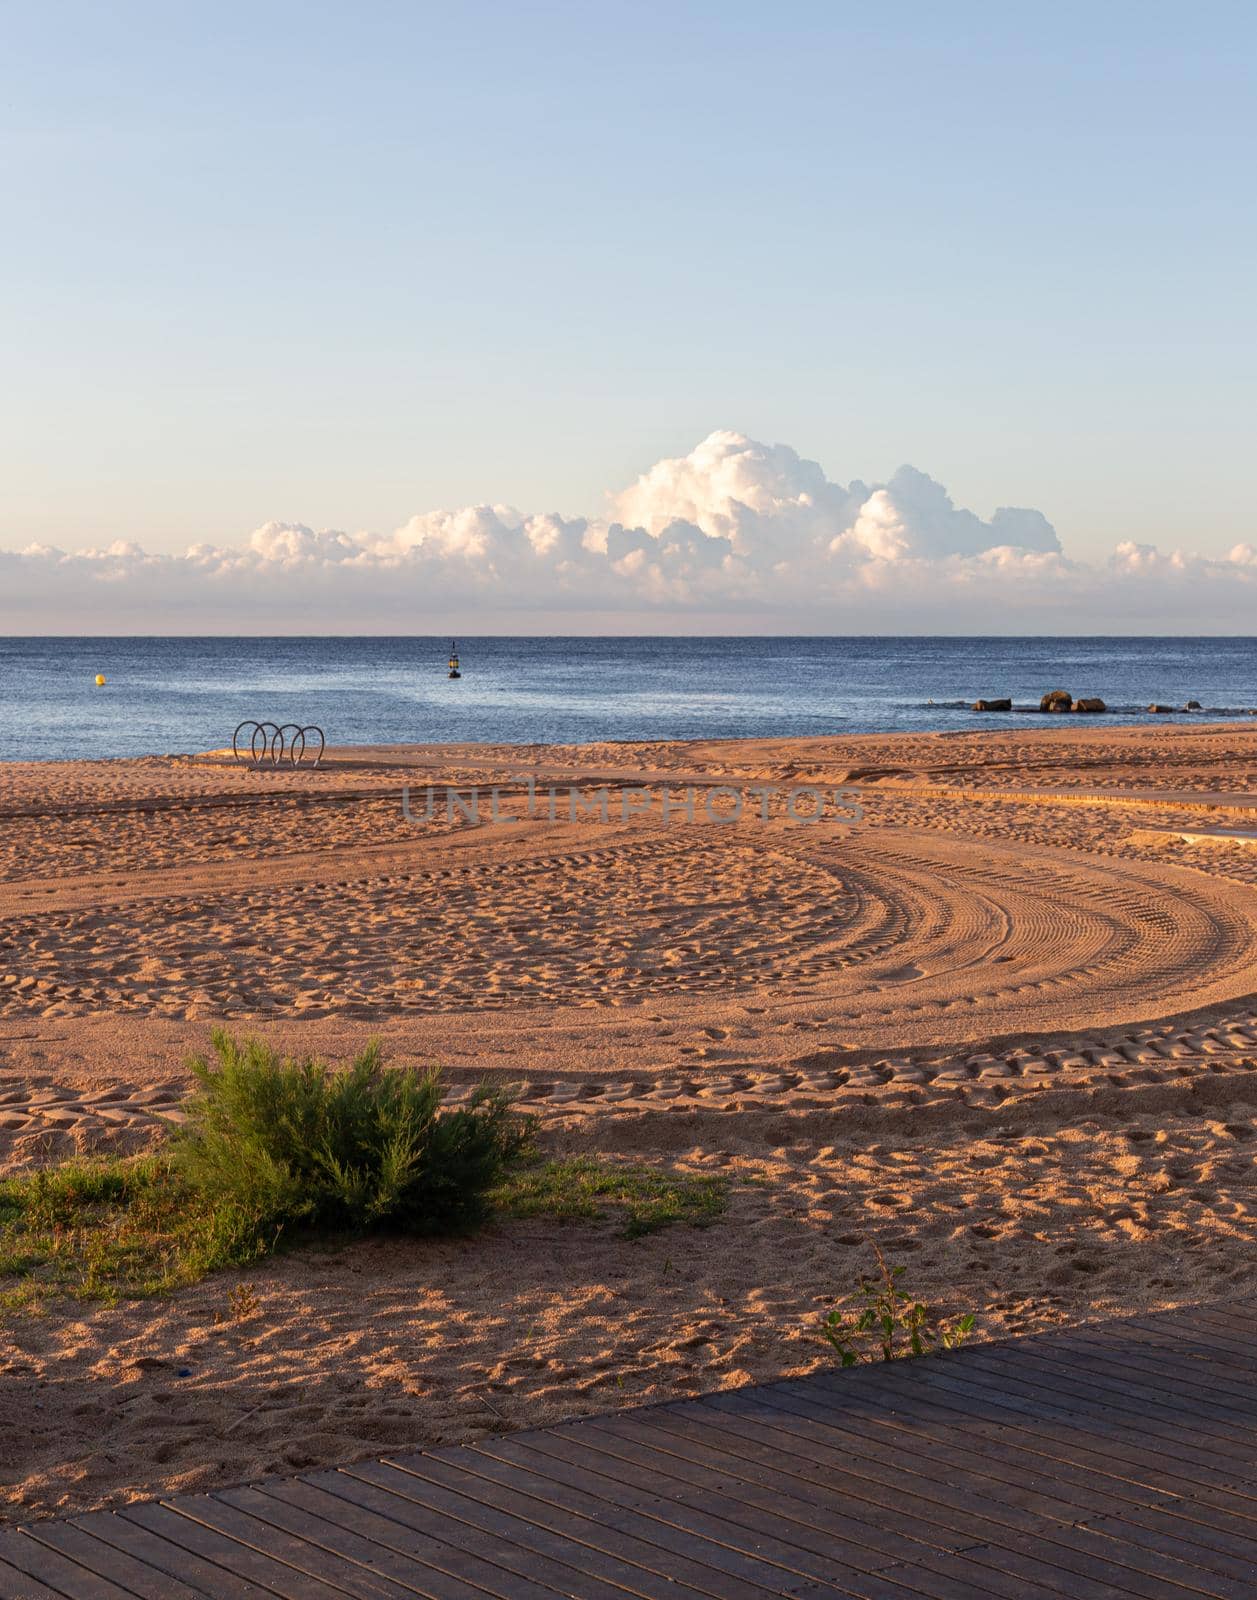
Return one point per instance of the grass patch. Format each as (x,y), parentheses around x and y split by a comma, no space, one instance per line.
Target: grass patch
(100,1230)
(581,1189)
(133,1227)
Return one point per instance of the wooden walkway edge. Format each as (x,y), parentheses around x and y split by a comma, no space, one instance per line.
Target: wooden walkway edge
(1107,1462)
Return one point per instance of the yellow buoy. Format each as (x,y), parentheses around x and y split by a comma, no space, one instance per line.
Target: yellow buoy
(100,680)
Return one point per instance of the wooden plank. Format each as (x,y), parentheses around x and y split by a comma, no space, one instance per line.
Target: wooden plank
(270,1539)
(1121,1374)
(1117,1431)
(628,1455)
(1235,1554)
(1059,1547)
(712,1517)
(460,1555)
(1233,1389)
(1210,1340)
(1204,1350)
(924,1456)
(890,1459)
(802,1408)
(1239,1318)
(18,1585)
(1214,1510)
(207,1577)
(890,1532)
(992,1410)
(391,1551)
(137,1576)
(1040,1557)
(43,1567)
(928,1447)
(1149,1546)
(958,1577)
(1029,1574)
(572,1513)
(1146,1472)
(856,1475)
(1194,1334)
(1156,1554)
(1112,1416)
(575,1512)
(965,1387)
(563,1520)
(968,1500)
(1089,1390)
(1101,1397)
(270,1573)
(1232,1379)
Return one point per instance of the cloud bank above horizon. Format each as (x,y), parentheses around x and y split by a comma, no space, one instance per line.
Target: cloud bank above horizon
(736,536)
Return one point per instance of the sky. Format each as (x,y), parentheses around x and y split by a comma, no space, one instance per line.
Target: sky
(285,285)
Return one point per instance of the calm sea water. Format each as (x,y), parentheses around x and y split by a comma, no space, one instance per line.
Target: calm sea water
(168,695)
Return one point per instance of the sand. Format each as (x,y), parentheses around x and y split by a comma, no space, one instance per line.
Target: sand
(1005,1027)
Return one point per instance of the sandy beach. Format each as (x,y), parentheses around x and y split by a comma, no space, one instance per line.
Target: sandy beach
(1002,1025)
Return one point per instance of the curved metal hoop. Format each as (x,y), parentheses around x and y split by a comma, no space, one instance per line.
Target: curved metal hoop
(282,745)
(269,743)
(263,742)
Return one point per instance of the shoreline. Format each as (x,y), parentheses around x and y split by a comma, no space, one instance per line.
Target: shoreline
(1205,722)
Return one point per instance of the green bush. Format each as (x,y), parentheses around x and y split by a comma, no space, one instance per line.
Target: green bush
(274,1145)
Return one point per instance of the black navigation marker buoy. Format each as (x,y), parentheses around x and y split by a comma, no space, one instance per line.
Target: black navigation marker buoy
(454,672)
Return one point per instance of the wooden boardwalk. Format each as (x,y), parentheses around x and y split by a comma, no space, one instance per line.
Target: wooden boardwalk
(1103,1463)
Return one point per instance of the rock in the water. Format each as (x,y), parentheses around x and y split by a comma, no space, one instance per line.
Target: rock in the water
(1092,703)
(1057,700)
(1193,705)
(992,705)
(1161,710)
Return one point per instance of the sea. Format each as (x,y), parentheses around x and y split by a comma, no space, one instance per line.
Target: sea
(177,695)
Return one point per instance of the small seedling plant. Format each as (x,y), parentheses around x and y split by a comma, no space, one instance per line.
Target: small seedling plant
(243,1302)
(883,1319)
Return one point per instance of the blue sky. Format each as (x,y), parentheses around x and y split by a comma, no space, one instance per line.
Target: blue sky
(338,265)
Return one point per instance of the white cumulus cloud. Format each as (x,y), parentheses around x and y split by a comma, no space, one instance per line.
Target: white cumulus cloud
(737,534)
